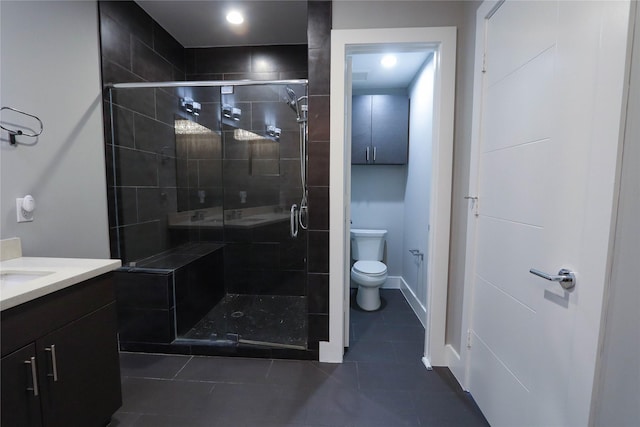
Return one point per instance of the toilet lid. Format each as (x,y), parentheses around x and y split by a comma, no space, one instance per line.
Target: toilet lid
(370,267)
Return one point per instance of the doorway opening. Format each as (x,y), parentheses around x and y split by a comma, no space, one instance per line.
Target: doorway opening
(440,42)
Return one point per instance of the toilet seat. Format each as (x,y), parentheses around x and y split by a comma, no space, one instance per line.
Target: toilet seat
(370,268)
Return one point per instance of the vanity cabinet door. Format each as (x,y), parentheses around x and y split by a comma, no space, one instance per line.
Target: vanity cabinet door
(80,371)
(20,405)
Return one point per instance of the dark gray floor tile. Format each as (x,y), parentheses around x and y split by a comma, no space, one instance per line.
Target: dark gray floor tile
(345,373)
(123,419)
(226,369)
(394,300)
(446,409)
(270,424)
(164,397)
(382,383)
(356,316)
(252,404)
(389,332)
(399,376)
(362,328)
(351,407)
(380,418)
(171,421)
(332,414)
(408,351)
(297,373)
(331,394)
(396,401)
(400,317)
(371,351)
(142,365)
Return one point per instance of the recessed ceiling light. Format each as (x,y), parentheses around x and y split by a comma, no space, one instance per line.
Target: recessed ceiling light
(234,17)
(388,61)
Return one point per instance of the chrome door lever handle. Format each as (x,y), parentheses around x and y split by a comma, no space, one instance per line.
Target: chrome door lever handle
(566,278)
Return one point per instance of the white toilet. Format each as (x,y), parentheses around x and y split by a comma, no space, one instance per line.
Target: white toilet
(368,272)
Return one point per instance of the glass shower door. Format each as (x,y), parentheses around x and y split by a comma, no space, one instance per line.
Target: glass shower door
(207,188)
(265,266)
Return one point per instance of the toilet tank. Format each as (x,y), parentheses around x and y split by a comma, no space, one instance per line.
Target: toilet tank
(367,244)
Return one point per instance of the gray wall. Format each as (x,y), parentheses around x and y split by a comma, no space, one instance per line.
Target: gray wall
(377,201)
(417,199)
(619,370)
(51,68)
(394,14)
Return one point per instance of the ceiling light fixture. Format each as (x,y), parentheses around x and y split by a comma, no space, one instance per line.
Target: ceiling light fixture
(388,61)
(234,17)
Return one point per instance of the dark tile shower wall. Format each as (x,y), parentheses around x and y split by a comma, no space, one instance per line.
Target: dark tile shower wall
(134,49)
(263,260)
(247,62)
(319,60)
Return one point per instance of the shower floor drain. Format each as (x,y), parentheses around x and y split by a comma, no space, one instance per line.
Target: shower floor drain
(237,314)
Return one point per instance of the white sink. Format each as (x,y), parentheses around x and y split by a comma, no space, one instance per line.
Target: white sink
(12,278)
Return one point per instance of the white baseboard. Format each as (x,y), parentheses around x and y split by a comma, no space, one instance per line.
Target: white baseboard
(427,364)
(393,282)
(419,309)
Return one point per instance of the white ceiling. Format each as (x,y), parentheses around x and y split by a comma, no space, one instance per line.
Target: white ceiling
(203,23)
(269,22)
(368,73)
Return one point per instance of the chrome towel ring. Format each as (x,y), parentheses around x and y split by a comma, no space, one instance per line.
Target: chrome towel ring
(18,132)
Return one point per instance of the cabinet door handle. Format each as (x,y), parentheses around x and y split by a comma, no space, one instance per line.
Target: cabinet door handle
(54,363)
(374,154)
(367,155)
(34,375)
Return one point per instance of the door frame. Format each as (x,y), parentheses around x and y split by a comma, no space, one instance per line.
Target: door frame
(443,40)
(458,361)
(612,87)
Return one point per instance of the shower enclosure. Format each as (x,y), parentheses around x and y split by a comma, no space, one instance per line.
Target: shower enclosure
(208,210)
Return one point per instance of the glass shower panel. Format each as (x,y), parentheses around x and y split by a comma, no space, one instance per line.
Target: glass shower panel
(210,179)
(166,177)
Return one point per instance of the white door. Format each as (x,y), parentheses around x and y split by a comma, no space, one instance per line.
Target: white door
(552,93)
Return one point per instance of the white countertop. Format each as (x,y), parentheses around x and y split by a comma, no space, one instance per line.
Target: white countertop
(49,275)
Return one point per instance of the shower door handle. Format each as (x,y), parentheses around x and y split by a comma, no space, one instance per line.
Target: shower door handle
(293,221)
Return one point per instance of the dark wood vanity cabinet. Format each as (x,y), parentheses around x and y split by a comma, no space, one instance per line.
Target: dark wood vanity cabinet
(19,405)
(379,129)
(60,364)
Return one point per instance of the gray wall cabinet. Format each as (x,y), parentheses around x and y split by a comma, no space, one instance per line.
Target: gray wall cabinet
(380,129)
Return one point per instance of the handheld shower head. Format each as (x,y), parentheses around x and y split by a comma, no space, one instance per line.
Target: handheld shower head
(292,95)
(293,101)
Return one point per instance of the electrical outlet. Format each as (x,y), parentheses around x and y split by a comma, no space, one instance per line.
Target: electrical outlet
(21,214)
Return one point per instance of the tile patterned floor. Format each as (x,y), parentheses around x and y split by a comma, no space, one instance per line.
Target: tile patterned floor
(382,383)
